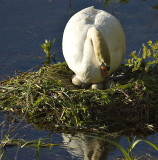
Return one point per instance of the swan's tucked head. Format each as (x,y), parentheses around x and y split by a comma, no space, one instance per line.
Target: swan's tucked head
(101,50)
(104,70)
(95,64)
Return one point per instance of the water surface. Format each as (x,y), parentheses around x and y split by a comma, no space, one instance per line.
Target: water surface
(25,24)
(68,147)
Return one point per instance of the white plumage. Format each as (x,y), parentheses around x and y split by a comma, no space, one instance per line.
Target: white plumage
(93,38)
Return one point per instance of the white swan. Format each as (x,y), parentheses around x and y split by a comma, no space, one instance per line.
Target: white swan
(93,46)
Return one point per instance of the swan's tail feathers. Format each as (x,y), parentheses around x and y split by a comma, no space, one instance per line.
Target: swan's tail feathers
(100,46)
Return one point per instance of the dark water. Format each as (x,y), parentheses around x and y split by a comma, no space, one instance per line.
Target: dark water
(67,147)
(25,24)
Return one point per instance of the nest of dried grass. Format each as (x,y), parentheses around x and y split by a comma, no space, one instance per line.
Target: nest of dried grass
(47,96)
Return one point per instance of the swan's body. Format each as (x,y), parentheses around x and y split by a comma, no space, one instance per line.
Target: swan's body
(91,38)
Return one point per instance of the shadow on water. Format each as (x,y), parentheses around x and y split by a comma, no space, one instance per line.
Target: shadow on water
(25,25)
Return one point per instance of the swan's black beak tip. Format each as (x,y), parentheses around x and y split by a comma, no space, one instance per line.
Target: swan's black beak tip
(105,66)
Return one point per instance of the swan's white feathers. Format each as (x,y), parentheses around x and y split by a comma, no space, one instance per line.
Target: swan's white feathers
(100,46)
(78,48)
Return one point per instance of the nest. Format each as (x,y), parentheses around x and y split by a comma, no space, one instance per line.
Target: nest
(47,97)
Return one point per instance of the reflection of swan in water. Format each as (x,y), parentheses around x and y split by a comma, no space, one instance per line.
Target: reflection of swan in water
(91,149)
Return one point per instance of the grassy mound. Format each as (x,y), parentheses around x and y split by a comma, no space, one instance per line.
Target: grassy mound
(48,97)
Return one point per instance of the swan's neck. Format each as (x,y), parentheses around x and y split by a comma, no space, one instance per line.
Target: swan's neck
(89,57)
(89,66)
(100,46)
(95,53)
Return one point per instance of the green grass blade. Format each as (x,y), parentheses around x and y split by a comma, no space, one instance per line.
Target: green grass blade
(121,148)
(134,144)
(137,141)
(38,145)
(152,145)
(52,42)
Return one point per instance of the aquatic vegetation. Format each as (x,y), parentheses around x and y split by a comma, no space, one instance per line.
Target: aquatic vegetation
(129,155)
(46,48)
(21,143)
(48,97)
(144,61)
(9,138)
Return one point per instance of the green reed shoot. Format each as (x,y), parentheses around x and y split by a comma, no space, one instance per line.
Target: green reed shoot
(46,48)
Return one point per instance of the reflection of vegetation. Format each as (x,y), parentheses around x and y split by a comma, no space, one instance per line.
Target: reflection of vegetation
(155,7)
(8,139)
(103,144)
(70,7)
(48,96)
(122,1)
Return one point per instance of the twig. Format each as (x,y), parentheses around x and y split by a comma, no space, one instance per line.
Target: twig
(126,95)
